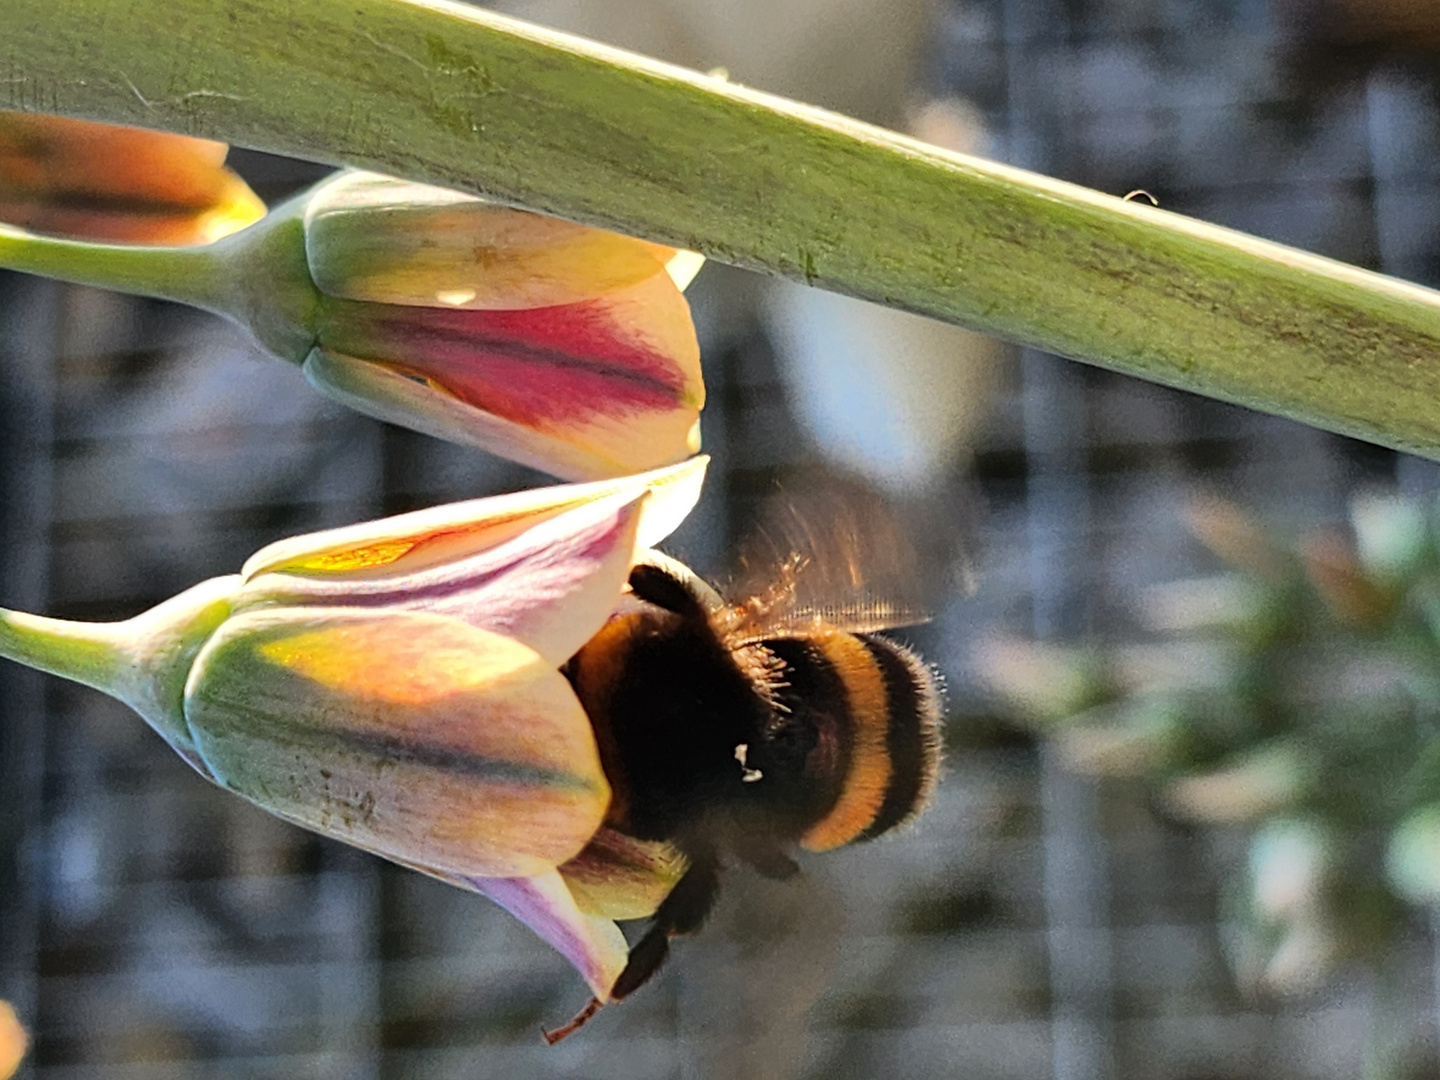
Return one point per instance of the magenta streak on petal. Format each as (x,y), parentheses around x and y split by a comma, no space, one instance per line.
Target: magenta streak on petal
(497,589)
(535,366)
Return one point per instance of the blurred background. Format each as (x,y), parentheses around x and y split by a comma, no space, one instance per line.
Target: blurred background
(1187,829)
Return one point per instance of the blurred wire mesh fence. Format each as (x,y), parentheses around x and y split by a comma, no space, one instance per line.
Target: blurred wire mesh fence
(1032,924)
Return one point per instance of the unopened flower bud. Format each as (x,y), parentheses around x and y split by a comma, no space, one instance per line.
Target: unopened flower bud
(94,181)
(563,347)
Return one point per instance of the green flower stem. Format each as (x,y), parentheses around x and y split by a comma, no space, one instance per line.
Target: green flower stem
(457,96)
(190,275)
(90,653)
(143,661)
(258,277)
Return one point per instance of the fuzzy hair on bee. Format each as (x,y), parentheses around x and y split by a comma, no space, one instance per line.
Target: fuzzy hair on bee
(741,731)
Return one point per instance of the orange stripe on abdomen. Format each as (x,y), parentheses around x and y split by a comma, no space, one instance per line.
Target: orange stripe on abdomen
(862,792)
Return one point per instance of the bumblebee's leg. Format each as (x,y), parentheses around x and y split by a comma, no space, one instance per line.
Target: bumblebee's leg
(564,1031)
(682,912)
(656,585)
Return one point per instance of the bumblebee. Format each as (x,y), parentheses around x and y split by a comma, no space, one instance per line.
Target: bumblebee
(738,732)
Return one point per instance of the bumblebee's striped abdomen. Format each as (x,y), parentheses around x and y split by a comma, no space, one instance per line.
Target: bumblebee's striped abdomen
(876,708)
(913,695)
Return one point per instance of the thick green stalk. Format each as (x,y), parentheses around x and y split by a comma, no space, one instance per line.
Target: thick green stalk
(458,96)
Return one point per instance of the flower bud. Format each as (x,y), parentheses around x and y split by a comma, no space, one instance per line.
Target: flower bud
(563,347)
(396,685)
(125,185)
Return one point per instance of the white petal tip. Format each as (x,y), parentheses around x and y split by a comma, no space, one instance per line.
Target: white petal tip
(683,266)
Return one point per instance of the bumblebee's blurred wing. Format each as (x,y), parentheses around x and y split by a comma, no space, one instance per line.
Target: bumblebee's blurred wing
(839,556)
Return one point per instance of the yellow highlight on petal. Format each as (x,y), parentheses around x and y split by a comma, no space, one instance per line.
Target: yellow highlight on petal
(342,659)
(453,542)
(347,559)
(13,1041)
(240,208)
(455,297)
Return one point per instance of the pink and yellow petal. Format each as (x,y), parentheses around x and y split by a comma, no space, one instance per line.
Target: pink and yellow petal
(550,588)
(604,387)
(373,238)
(543,902)
(409,542)
(388,393)
(411,735)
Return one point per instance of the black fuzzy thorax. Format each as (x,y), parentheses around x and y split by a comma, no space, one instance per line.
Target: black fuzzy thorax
(670,723)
